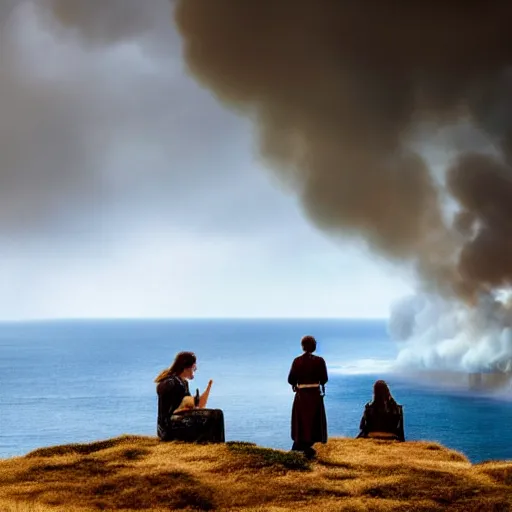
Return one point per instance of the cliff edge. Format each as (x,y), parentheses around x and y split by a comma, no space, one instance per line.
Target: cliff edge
(140,473)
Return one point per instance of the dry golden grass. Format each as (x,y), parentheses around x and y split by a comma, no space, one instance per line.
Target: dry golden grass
(140,473)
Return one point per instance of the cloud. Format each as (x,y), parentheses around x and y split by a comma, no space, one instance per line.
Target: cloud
(127,189)
(100,126)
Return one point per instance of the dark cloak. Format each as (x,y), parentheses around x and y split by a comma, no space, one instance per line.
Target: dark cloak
(387,417)
(309,421)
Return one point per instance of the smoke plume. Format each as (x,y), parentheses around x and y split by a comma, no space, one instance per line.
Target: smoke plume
(343,93)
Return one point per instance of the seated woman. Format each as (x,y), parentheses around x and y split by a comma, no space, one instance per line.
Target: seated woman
(383,417)
(180,416)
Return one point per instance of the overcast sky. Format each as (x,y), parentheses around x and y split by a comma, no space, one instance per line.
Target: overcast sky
(128,191)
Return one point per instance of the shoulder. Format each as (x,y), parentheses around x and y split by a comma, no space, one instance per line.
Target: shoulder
(167,385)
(367,410)
(393,405)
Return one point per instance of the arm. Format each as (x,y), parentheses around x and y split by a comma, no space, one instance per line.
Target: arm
(292,377)
(401,433)
(363,425)
(323,373)
(169,398)
(203,399)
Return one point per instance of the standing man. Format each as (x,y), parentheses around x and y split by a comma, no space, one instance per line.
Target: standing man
(307,377)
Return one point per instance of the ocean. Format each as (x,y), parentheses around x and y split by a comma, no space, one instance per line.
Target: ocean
(79,381)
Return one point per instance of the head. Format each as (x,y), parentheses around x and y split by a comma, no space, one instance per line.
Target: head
(381,393)
(184,366)
(308,344)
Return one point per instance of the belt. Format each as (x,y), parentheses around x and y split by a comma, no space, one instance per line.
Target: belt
(302,386)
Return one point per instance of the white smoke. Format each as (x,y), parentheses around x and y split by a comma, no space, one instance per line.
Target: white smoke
(435,333)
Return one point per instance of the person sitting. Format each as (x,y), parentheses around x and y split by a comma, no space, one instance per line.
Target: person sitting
(383,417)
(177,420)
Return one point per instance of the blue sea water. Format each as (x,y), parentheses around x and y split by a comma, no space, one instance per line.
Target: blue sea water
(78,381)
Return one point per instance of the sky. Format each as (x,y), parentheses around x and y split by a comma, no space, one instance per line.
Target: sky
(128,191)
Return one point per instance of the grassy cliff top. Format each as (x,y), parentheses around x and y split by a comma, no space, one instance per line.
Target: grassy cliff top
(140,473)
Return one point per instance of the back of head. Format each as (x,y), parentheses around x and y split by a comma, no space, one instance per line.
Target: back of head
(382,394)
(308,344)
(182,361)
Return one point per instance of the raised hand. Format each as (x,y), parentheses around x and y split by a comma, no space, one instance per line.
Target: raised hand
(204,397)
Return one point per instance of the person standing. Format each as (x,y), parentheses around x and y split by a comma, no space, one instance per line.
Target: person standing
(308,376)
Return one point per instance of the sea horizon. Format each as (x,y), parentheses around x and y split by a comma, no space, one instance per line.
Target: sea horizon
(191,318)
(77,380)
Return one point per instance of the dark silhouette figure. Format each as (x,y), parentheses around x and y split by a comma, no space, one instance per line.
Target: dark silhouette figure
(192,424)
(382,418)
(308,376)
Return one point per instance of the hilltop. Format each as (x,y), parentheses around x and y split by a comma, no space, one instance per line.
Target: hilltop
(140,473)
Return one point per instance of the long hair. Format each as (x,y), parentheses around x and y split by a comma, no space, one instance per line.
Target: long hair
(382,396)
(182,361)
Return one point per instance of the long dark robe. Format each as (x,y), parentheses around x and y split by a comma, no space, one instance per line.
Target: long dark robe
(309,422)
(386,418)
(197,425)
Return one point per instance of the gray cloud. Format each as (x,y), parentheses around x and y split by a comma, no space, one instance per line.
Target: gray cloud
(100,22)
(100,126)
(112,158)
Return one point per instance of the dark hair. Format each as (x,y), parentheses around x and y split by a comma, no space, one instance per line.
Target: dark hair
(182,361)
(382,394)
(308,344)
